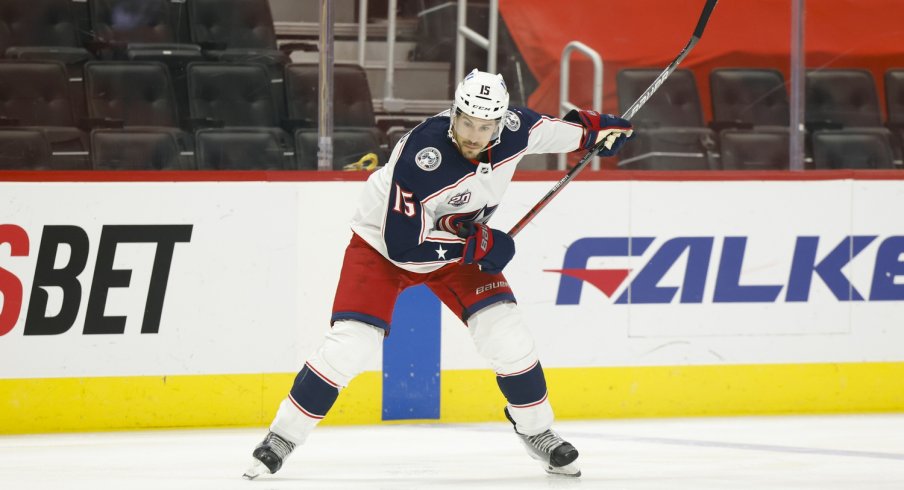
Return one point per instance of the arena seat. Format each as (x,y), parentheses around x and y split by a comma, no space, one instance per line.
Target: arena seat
(129,149)
(145,30)
(846,98)
(240,31)
(41,29)
(671,134)
(894,100)
(231,105)
(349,145)
(35,94)
(675,104)
(46,30)
(352,102)
(136,95)
(243,149)
(353,112)
(23,149)
(139,29)
(854,149)
(748,97)
(231,94)
(894,96)
(760,149)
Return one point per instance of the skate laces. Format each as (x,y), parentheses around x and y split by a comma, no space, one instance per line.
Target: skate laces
(546,441)
(280,446)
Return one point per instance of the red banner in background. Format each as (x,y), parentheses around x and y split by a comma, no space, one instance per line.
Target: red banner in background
(650,33)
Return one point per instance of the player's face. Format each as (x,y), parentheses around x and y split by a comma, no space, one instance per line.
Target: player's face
(472,134)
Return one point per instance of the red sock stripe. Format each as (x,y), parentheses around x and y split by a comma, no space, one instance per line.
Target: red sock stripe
(309,414)
(321,376)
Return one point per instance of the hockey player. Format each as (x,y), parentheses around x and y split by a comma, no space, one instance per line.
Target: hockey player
(423,220)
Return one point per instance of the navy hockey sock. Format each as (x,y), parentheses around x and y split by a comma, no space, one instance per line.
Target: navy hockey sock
(313,393)
(523,389)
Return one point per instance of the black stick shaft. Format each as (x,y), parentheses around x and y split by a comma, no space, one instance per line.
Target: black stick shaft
(629,114)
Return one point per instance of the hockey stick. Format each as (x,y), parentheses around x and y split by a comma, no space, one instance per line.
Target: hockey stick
(644,97)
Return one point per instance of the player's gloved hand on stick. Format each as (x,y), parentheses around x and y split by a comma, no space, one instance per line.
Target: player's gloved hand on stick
(489,248)
(614,130)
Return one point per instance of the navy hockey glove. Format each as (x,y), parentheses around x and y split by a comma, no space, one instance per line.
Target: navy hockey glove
(490,249)
(598,127)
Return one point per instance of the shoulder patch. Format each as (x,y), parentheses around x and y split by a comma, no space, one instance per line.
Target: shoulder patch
(512,121)
(428,159)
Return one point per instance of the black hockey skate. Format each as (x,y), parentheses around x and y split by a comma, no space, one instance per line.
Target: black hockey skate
(557,455)
(269,456)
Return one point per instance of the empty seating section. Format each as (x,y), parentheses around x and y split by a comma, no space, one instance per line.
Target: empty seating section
(239,31)
(894,101)
(748,149)
(231,94)
(35,95)
(205,84)
(845,98)
(139,97)
(234,105)
(748,97)
(45,30)
(129,149)
(353,115)
(349,146)
(23,149)
(41,29)
(352,103)
(131,27)
(145,30)
(243,149)
(856,149)
(671,134)
(131,94)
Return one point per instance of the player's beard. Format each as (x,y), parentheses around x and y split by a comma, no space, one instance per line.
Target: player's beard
(469,149)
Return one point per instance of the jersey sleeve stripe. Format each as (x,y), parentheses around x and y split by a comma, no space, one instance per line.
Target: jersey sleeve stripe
(451,186)
(509,159)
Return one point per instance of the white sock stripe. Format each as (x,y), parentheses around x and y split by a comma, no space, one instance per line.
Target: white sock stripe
(299,407)
(321,376)
(519,372)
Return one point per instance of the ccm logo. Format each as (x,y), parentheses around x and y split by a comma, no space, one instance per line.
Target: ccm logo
(66,276)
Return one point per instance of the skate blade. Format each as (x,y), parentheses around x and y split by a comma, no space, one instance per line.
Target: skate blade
(567,471)
(257,469)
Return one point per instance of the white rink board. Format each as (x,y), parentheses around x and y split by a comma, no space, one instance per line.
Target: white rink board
(771,214)
(230,303)
(252,291)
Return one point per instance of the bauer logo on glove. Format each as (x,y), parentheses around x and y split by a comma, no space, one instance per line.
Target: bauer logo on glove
(490,249)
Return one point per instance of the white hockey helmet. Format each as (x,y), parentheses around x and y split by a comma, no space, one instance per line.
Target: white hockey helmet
(482,95)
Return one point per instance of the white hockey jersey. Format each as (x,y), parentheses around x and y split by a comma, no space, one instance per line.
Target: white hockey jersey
(412,207)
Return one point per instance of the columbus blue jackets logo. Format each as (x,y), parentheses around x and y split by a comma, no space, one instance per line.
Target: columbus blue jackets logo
(428,159)
(451,222)
(512,121)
